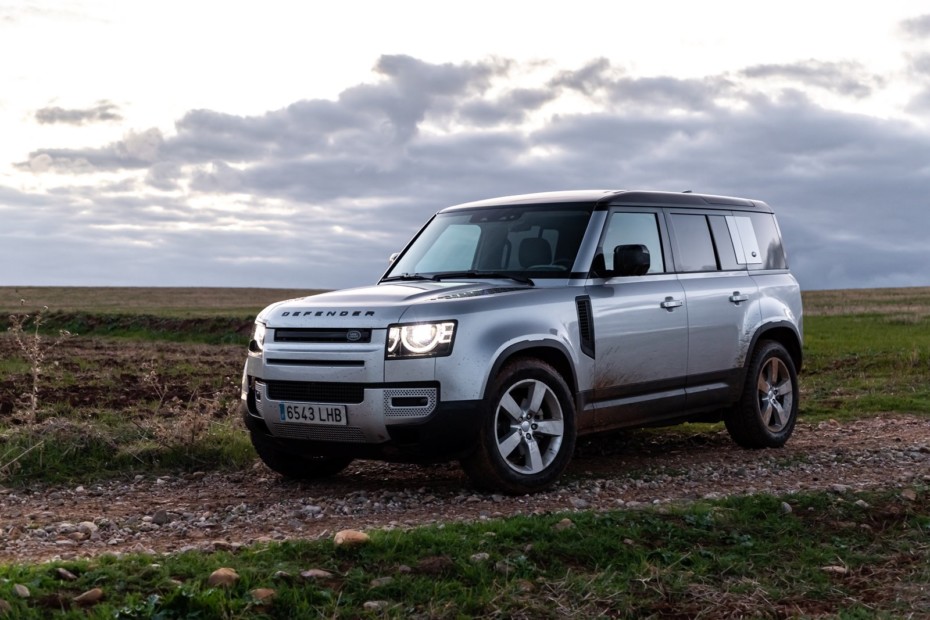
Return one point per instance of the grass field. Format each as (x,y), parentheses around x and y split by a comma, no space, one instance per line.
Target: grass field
(149,384)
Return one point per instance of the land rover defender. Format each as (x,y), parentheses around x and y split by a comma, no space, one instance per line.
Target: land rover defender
(506,328)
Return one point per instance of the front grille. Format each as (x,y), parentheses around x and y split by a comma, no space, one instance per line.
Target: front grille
(349,434)
(326,363)
(316,392)
(324,335)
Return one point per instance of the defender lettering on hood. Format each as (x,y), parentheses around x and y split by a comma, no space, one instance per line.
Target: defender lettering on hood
(350,313)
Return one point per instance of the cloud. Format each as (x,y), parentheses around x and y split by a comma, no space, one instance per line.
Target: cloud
(916,27)
(318,193)
(135,150)
(104,111)
(844,78)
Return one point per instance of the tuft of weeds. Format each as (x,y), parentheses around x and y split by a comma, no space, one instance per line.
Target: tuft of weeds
(184,425)
(34,348)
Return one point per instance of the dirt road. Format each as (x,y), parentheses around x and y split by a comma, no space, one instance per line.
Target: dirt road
(216,511)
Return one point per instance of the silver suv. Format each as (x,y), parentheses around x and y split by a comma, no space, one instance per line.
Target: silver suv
(508,327)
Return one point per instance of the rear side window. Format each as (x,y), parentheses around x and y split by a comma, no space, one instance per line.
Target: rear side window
(769,242)
(724,242)
(695,247)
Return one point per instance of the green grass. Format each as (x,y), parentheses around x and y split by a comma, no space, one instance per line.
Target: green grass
(738,557)
(63,450)
(864,364)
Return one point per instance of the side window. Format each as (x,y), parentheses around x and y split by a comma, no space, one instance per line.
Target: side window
(768,241)
(454,250)
(744,240)
(634,229)
(723,241)
(695,247)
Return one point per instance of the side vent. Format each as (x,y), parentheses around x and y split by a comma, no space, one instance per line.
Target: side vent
(585,325)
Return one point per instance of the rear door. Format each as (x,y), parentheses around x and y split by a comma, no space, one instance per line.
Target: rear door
(722,300)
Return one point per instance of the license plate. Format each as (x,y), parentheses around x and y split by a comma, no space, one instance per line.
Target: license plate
(313,413)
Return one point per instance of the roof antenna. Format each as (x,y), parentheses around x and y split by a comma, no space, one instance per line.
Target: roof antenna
(687,191)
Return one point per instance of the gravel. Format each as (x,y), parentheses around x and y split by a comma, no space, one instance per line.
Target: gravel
(214,511)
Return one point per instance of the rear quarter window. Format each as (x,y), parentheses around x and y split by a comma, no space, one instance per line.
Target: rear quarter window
(769,240)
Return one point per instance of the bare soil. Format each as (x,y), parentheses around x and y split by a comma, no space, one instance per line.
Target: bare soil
(627,470)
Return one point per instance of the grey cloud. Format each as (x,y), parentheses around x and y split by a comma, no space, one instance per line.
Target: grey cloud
(919,68)
(415,87)
(920,65)
(104,111)
(593,77)
(333,187)
(135,150)
(845,78)
(164,176)
(920,103)
(366,117)
(691,95)
(600,81)
(513,107)
(917,27)
(219,177)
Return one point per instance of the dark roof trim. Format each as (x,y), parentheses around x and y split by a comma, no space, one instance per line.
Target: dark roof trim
(671,198)
(605,198)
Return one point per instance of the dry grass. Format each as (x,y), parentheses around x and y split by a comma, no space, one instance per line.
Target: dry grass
(186,302)
(34,348)
(901,304)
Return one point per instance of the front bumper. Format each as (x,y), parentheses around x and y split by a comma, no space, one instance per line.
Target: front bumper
(401,422)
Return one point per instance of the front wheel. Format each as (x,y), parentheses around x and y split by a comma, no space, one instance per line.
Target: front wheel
(768,408)
(294,466)
(527,433)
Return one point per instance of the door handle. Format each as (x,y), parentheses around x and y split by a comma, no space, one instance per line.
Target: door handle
(736,297)
(670,303)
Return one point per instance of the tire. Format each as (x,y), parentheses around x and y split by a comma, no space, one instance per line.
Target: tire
(527,433)
(767,410)
(294,466)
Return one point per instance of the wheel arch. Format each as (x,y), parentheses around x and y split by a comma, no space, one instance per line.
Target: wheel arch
(553,353)
(784,333)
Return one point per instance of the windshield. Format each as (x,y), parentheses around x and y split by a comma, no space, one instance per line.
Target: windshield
(536,241)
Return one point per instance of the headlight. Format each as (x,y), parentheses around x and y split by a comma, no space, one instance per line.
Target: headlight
(257,341)
(420,339)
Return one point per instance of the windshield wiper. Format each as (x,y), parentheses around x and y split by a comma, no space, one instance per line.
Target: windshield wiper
(483,274)
(405,276)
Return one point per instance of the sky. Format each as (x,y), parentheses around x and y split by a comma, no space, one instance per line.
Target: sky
(299,144)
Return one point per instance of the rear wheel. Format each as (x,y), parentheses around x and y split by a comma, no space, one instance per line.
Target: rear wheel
(295,466)
(527,433)
(768,408)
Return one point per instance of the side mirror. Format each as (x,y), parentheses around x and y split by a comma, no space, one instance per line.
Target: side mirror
(631,260)
(393,257)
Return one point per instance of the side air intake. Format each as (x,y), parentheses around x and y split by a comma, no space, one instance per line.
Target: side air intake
(585,324)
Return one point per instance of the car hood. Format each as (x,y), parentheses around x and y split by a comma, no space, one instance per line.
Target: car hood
(373,306)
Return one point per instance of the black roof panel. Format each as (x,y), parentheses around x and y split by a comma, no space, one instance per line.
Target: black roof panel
(604,197)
